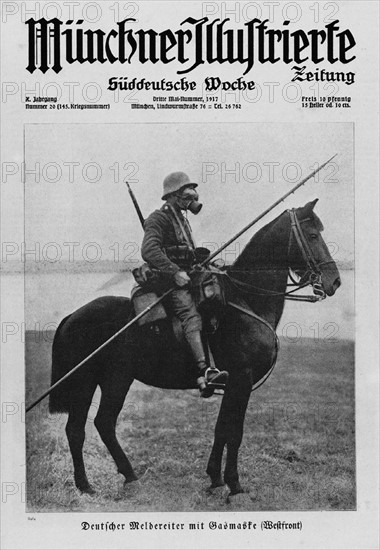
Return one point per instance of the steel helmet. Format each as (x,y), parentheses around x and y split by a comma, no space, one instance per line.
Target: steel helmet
(174,182)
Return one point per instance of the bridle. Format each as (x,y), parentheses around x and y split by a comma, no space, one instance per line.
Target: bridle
(312,276)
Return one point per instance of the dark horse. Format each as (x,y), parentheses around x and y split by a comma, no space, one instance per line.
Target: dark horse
(243,345)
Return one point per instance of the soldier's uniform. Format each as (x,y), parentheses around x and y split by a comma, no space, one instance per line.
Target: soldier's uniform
(165,248)
(168,246)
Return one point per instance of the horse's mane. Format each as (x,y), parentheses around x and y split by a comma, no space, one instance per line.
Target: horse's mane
(256,241)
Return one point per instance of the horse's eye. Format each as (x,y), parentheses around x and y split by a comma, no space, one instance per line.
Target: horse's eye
(313,236)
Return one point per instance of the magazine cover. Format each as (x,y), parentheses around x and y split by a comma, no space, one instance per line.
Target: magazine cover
(189,274)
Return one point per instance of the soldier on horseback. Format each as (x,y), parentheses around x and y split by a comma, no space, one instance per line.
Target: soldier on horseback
(168,246)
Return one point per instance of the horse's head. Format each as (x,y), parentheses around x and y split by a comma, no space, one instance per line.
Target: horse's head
(308,255)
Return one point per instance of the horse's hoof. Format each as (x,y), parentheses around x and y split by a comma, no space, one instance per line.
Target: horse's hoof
(217,483)
(87,490)
(132,477)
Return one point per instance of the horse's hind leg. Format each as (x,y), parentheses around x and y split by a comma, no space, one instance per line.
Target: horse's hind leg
(214,466)
(113,395)
(75,431)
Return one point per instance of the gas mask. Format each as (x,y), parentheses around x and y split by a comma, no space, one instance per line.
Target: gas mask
(188,199)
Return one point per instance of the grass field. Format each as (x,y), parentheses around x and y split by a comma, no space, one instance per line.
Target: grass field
(298,451)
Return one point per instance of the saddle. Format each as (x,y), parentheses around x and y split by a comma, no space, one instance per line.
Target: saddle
(207,288)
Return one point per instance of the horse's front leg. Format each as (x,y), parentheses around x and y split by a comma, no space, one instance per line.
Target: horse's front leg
(237,397)
(229,430)
(214,466)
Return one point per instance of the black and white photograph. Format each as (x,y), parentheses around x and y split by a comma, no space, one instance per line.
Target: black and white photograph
(229,312)
(189,275)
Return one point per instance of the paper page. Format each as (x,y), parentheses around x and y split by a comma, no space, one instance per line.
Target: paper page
(248,101)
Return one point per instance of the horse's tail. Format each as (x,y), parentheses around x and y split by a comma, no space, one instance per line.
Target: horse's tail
(58,399)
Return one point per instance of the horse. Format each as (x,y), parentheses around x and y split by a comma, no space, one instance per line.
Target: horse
(245,344)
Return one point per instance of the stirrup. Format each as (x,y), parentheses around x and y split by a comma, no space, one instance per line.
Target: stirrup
(212,379)
(215,378)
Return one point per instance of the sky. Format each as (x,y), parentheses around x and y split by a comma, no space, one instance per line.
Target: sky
(241,169)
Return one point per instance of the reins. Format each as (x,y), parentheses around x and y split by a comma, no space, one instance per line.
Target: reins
(276,339)
(314,273)
(313,279)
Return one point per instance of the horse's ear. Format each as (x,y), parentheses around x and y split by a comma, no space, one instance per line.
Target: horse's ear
(307,210)
(310,205)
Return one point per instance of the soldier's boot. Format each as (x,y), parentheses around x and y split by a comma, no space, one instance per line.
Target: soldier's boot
(209,379)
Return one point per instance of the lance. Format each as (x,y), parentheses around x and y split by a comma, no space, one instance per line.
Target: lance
(125,327)
(136,205)
(217,252)
(163,296)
